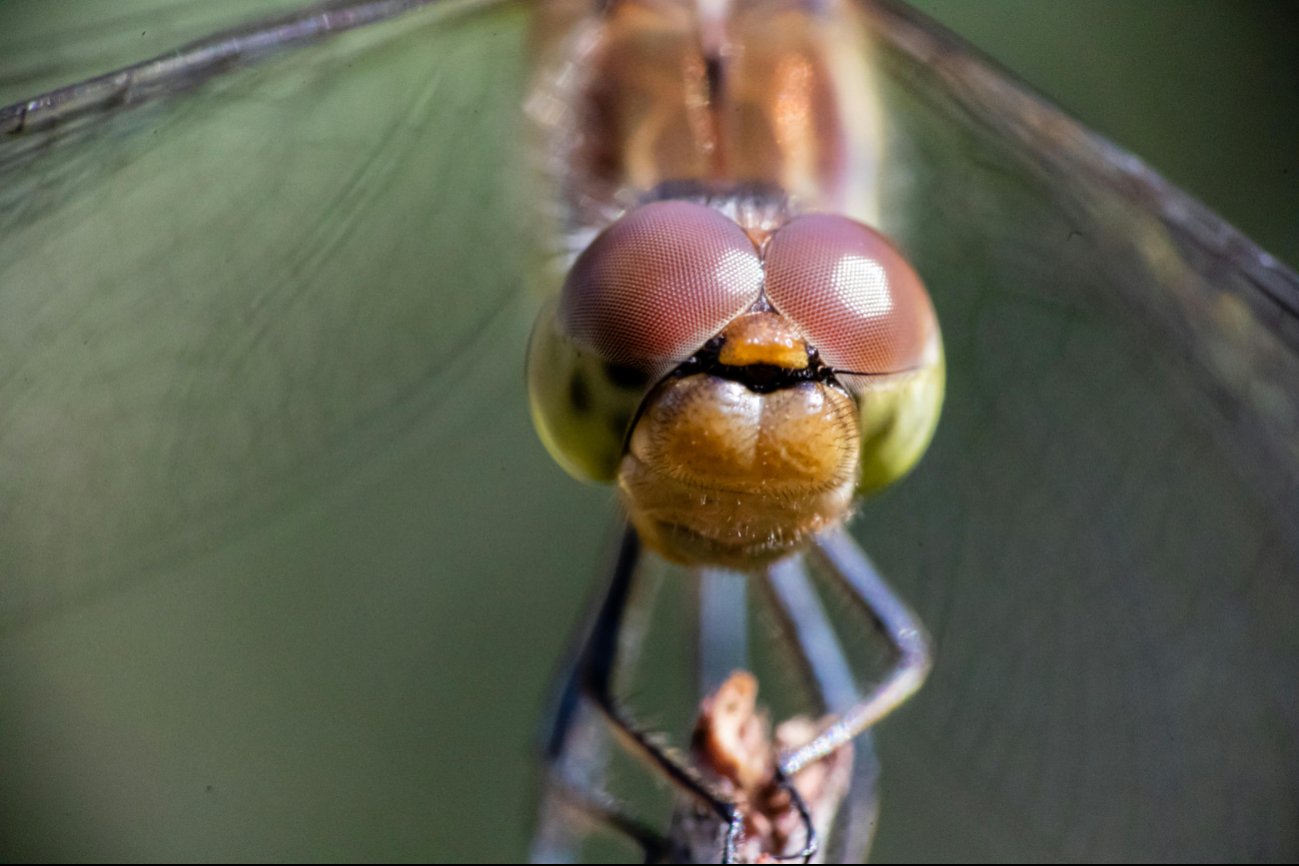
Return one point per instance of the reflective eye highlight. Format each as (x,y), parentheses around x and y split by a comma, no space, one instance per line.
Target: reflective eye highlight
(659,283)
(853,295)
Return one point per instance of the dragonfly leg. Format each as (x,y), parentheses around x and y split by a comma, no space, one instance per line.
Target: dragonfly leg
(574,795)
(570,800)
(861,809)
(596,667)
(575,756)
(812,639)
(574,750)
(844,560)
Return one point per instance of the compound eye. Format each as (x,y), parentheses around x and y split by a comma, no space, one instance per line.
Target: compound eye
(854,296)
(658,284)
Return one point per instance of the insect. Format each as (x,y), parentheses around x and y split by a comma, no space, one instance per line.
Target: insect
(739,356)
(285,569)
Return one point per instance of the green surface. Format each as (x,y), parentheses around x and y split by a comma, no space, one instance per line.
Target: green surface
(284,570)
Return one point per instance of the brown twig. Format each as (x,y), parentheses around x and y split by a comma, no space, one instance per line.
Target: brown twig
(734,747)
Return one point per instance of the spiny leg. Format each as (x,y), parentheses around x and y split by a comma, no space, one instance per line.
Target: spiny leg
(574,795)
(575,750)
(568,803)
(807,628)
(592,678)
(597,667)
(815,645)
(840,556)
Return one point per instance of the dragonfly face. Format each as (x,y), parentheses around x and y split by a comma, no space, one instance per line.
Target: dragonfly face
(737,377)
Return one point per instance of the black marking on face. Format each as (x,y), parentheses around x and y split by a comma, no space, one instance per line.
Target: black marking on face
(624,376)
(579,393)
(758,378)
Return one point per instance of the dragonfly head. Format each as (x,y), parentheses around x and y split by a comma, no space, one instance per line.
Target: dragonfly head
(741,392)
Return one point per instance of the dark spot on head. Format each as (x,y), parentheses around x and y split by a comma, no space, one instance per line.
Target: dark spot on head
(624,376)
(579,393)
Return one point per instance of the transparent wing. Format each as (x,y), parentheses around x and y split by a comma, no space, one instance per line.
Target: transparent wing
(46,46)
(225,283)
(1104,538)
(262,329)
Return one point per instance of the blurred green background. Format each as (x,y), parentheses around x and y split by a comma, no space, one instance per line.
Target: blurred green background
(1204,91)
(284,573)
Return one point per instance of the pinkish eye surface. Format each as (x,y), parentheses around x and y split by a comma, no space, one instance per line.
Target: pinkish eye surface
(659,283)
(853,295)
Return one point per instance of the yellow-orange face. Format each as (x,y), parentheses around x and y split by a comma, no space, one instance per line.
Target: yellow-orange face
(742,387)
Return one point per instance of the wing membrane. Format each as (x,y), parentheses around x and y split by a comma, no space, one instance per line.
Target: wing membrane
(215,299)
(1105,529)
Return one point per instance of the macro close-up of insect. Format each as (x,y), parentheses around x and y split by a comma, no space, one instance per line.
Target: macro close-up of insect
(343,347)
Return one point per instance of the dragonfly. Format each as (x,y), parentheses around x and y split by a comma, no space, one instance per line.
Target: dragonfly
(276,523)
(745,358)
